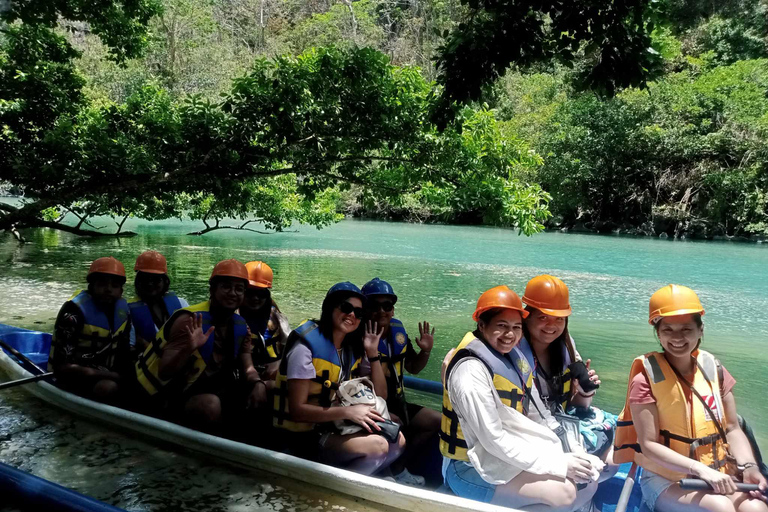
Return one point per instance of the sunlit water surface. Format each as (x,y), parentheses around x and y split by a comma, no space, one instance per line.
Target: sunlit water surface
(437,271)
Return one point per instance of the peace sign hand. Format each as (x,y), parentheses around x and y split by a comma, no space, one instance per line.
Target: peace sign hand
(371,338)
(195,333)
(426,339)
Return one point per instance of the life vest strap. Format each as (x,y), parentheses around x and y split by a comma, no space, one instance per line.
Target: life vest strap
(452,438)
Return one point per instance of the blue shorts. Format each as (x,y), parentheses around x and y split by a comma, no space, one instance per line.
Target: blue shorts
(464,480)
(652,486)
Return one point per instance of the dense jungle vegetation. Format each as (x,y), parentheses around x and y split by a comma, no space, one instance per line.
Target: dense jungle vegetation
(302,110)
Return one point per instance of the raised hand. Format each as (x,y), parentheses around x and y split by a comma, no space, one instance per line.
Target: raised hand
(194,329)
(371,338)
(426,339)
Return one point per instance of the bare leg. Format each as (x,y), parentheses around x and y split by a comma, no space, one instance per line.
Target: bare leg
(675,499)
(542,493)
(106,391)
(203,412)
(422,427)
(395,450)
(364,453)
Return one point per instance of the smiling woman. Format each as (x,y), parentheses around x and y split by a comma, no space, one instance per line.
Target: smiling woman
(320,356)
(680,417)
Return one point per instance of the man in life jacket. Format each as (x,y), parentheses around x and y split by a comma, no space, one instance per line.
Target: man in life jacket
(200,365)
(420,424)
(153,304)
(268,326)
(90,351)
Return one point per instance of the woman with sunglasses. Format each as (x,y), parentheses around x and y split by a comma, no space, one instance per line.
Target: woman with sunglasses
(319,356)
(153,304)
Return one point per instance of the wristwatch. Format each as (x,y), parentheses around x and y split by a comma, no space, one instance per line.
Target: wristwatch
(746,466)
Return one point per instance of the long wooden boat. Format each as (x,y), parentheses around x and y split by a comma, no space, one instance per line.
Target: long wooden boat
(35,346)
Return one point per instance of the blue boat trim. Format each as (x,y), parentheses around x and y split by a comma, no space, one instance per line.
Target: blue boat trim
(35,493)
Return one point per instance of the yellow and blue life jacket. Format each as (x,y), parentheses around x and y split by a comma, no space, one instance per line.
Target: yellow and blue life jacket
(392,351)
(98,340)
(265,347)
(141,316)
(330,371)
(560,380)
(148,365)
(512,377)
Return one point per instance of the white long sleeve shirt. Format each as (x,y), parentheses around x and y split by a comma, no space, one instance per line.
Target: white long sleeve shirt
(502,442)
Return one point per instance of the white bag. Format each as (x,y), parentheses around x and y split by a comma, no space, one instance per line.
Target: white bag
(358,392)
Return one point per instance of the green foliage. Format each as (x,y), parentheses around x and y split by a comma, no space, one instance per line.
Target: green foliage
(614,36)
(692,144)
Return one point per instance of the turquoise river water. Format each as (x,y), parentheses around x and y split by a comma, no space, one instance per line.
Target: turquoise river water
(437,271)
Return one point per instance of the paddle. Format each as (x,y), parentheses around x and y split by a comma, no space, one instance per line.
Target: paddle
(701,485)
(21,357)
(26,380)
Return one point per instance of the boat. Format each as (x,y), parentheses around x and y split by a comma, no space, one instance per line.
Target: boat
(34,347)
(35,493)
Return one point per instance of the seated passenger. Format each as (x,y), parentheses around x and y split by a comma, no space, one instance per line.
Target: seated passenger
(420,424)
(153,304)
(492,451)
(90,351)
(551,351)
(680,419)
(268,326)
(320,355)
(200,363)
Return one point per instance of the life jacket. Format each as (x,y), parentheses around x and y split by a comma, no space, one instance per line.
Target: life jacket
(265,346)
(97,342)
(697,436)
(330,371)
(560,380)
(148,365)
(141,316)
(512,377)
(392,351)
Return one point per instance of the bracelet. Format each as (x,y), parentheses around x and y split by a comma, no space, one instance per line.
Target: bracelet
(746,466)
(586,396)
(374,359)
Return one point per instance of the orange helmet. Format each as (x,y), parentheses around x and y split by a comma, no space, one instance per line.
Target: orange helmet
(673,300)
(259,274)
(230,268)
(500,297)
(151,262)
(107,265)
(549,295)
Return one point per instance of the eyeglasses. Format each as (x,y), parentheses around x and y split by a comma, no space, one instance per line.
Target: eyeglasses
(386,307)
(347,308)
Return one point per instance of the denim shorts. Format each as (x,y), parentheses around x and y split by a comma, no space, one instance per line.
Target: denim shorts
(652,486)
(464,480)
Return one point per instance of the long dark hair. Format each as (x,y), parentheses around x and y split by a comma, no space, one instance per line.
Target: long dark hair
(325,324)
(555,348)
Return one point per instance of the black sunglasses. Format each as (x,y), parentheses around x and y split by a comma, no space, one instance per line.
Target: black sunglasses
(347,308)
(261,293)
(374,306)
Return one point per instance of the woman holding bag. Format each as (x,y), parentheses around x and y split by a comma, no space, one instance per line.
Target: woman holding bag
(320,355)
